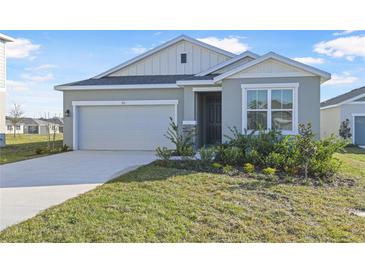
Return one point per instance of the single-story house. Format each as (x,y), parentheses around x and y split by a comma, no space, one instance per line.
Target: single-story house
(19,128)
(349,106)
(202,87)
(56,122)
(33,126)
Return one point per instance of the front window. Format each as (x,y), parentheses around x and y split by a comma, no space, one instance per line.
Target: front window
(257,108)
(282,109)
(10,127)
(269,108)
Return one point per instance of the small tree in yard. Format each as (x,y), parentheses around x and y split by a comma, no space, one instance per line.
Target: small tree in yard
(15,116)
(345,130)
(182,141)
(306,146)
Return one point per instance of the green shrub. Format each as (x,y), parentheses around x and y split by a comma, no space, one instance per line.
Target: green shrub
(269,171)
(227,169)
(345,130)
(248,168)
(65,148)
(322,163)
(207,155)
(183,141)
(163,153)
(216,165)
(40,150)
(231,155)
(254,157)
(300,155)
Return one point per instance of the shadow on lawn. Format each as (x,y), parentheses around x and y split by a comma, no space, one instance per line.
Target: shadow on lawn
(156,172)
(151,172)
(353,150)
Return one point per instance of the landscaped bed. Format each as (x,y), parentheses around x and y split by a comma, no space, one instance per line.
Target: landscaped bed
(27,146)
(159,204)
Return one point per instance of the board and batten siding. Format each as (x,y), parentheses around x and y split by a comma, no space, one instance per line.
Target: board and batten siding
(167,61)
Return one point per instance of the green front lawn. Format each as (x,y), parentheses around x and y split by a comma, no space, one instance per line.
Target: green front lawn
(24,146)
(156,204)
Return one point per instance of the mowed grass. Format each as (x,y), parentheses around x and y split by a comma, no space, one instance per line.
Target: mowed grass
(156,204)
(24,146)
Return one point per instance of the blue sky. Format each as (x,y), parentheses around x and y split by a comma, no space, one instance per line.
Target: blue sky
(38,60)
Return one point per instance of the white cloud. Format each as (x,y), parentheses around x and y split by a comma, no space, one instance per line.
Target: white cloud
(231,44)
(138,49)
(21,48)
(37,78)
(344,47)
(42,67)
(337,79)
(345,32)
(12,85)
(309,60)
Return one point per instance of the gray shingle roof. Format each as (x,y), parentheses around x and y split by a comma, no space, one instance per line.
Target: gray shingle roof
(33,121)
(343,97)
(139,80)
(54,120)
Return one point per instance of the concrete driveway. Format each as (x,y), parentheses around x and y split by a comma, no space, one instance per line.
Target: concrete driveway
(27,187)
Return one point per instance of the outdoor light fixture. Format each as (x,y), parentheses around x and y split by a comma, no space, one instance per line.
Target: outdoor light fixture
(67,113)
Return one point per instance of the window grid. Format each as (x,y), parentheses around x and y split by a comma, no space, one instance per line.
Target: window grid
(269,110)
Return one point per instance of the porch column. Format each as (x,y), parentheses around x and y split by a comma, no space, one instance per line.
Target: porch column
(189,121)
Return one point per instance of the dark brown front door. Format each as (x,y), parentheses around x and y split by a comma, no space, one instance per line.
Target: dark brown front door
(213,118)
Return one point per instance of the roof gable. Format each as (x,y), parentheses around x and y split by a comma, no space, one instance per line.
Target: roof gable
(353,95)
(265,64)
(6,38)
(230,62)
(180,39)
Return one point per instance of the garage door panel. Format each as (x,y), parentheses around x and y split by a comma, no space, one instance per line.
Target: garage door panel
(360,130)
(124,127)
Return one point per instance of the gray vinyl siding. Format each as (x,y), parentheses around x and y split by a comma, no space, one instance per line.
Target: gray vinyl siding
(114,95)
(308,100)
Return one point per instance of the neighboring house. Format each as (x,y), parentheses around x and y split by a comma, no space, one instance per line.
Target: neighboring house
(34,126)
(200,86)
(57,122)
(19,128)
(3,40)
(351,106)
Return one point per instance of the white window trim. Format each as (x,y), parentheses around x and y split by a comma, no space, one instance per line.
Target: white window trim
(354,115)
(77,104)
(293,86)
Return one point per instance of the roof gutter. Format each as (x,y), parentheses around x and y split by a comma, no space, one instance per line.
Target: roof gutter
(115,87)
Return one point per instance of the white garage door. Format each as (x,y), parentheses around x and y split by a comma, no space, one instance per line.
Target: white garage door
(127,127)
